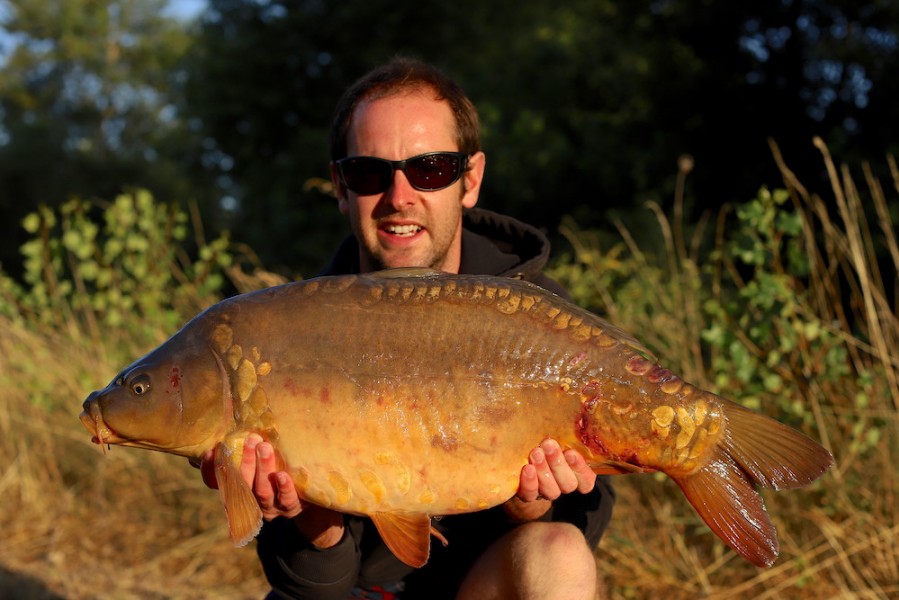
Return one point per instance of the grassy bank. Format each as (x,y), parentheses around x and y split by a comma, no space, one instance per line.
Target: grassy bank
(786,303)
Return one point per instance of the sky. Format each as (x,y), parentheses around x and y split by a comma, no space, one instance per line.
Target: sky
(185,9)
(180,9)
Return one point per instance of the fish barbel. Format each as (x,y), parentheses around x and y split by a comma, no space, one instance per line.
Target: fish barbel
(380,393)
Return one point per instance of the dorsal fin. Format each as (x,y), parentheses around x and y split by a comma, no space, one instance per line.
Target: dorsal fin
(408,535)
(401,272)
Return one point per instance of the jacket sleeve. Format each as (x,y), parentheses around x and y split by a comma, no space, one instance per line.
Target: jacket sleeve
(297,570)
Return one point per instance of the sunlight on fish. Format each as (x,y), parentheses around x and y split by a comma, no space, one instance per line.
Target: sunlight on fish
(400,429)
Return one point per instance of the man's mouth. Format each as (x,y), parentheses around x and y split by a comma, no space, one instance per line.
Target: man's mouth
(403,230)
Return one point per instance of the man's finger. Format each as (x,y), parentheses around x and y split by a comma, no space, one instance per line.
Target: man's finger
(586,478)
(264,468)
(286,499)
(527,484)
(564,478)
(546,481)
(248,459)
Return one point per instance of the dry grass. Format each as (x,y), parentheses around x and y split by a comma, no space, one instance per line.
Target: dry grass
(77,524)
(127,525)
(840,536)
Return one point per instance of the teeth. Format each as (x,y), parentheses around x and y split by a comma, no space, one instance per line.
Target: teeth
(403,230)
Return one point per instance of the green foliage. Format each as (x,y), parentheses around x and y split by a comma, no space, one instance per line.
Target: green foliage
(89,104)
(118,273)
(739,320)
(630,287)
(763,336)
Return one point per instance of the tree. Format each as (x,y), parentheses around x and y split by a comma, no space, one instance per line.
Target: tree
(89,105)
(586,105)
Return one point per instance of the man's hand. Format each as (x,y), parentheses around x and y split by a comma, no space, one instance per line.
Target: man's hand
(549,474)
(276,493)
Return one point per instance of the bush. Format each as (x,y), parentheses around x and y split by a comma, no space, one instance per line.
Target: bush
(787,312)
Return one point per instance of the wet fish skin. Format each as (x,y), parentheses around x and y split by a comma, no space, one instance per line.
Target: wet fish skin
(380,393)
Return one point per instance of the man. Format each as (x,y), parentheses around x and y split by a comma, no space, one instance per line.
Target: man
(407,167)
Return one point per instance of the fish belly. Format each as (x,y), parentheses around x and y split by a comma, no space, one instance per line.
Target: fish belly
(437,447)
(384,404)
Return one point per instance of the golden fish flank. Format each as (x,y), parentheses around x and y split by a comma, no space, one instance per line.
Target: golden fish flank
(402,479)
(663,416)
(342,492)
(222,338)
(246,380)
(373,484)
(252,409)
(570,375)
(687,427)
(427,497)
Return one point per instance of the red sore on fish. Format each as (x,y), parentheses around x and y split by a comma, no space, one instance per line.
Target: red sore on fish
(577,359)
(585,433)
(652,371)
(592,390)
(659,375)
(638,365)
(291,387)
(175,378)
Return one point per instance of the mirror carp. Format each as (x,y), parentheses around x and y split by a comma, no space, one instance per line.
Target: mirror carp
(407,394)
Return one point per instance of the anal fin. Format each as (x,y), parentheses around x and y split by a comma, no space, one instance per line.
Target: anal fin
(241,506)
(408,535)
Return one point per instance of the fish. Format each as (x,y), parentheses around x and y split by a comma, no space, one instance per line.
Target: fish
(409,394)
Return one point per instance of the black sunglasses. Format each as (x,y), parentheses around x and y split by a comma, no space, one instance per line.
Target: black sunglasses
(429,172)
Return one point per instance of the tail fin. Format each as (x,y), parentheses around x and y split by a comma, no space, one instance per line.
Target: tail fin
(757,451)
(726,500)
(775,455)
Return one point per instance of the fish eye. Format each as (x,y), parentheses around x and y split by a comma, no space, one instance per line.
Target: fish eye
(140,385)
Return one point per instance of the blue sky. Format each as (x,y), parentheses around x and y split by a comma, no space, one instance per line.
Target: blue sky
(185,9)
(180,9)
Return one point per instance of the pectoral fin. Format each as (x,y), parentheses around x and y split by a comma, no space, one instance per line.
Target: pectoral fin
(408,535)
(241,507)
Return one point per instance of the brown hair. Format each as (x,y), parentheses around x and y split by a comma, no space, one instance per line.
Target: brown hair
(399,75)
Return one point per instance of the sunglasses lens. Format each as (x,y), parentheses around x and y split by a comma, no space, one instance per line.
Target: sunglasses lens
(433,171)
(366,175)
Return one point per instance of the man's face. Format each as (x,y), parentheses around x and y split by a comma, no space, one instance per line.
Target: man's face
(405,227)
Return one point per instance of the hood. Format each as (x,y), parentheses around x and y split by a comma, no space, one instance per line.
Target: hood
(495,244)
(492,244)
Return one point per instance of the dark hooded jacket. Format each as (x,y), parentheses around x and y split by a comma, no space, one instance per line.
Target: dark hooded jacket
(492,244)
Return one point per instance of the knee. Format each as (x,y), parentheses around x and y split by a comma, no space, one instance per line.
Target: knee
(553,560)
(558,542)
(535,560)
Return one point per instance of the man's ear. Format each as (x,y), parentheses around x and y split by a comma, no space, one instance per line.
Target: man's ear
(339,190)
(471,180)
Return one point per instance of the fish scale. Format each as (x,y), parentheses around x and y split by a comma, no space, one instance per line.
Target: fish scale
(407,394)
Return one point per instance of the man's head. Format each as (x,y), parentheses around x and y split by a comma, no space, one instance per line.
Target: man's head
(399,111)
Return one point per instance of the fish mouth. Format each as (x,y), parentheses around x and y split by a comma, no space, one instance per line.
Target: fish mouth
(93,421)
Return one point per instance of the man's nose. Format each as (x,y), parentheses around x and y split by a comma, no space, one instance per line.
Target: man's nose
(401,193)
